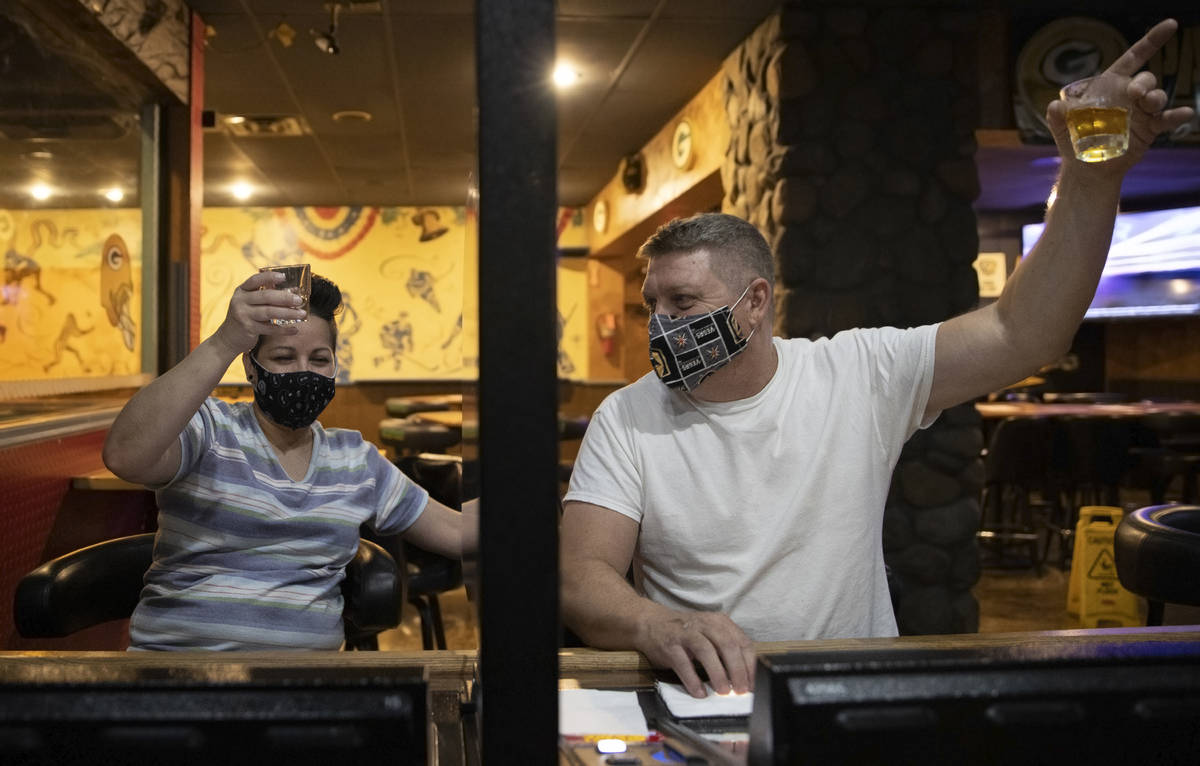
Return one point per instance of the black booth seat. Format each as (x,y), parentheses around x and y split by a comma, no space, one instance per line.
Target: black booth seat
(1157,552)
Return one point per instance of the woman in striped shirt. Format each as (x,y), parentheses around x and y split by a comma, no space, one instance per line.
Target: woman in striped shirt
(259,505)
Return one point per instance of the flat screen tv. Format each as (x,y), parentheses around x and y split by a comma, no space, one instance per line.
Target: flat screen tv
(1153,267)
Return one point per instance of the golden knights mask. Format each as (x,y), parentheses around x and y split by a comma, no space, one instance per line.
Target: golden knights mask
(686,350)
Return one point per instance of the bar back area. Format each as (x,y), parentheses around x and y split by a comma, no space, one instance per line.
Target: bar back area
(477,180)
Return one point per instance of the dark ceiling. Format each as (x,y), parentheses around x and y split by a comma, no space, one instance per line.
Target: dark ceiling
(409,65)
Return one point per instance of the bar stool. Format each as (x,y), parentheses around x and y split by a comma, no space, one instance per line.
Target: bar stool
(408,437)
(1016,469)
(1157,552)
(403,406)
(1090,458)
(1166,447)
(429,574)
(569,429)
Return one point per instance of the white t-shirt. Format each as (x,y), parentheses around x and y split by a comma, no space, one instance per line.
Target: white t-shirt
(770,508)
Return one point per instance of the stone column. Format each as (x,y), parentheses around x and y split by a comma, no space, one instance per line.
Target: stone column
(852,148)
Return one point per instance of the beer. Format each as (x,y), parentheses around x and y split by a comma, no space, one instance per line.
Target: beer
(1098,133)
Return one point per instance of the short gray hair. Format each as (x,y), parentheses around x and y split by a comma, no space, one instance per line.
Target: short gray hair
(736,249)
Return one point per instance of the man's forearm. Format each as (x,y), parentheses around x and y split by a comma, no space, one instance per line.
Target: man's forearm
(601,607)
(1045,300)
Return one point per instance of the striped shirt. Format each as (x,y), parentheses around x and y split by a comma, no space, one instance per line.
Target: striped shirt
(248,558)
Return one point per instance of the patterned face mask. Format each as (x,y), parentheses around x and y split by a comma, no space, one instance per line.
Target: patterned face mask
(292,399)
(686,350)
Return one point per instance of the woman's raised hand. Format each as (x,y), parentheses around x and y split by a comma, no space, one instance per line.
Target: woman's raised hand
(253,305)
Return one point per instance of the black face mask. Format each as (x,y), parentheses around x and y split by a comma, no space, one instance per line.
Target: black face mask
(292,399)
(686,350)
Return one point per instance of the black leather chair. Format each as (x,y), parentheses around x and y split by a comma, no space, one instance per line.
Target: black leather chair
(429,574)
(102,582)
(1157,551)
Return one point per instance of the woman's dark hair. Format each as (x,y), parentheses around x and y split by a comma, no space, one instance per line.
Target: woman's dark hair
(324,301)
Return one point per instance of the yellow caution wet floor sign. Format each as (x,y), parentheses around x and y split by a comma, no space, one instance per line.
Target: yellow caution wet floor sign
(1094,592)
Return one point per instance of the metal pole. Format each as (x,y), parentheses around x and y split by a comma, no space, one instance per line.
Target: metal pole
(518,441)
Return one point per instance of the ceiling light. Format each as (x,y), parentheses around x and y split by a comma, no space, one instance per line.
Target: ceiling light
(241,190)
(40,192)
(565,75)
(235,119)
(352,115)
(326,42)
(40,154)
(114,194)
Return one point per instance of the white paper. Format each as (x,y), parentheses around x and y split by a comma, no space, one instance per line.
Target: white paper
(583,712)
(683,705)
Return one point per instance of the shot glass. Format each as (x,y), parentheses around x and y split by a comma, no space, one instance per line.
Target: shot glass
(296,279)
(1098,116)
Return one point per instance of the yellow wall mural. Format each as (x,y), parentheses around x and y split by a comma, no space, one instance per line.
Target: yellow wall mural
(407,276)
(71,299)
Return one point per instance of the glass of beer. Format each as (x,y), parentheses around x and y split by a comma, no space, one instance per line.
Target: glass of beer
(1098,116)
(297,279)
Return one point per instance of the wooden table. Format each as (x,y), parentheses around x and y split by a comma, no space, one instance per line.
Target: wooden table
(448,418)
(404,406)
(103,479)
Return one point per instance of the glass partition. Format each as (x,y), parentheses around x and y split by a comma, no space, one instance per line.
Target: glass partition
(70,225)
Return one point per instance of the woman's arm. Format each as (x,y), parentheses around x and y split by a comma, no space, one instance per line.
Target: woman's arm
(143,442)
(439,529)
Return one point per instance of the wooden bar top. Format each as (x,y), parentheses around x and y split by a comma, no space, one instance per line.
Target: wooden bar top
(593,668)
(996,410)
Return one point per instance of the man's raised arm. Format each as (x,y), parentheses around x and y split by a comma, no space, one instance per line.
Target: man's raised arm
(1036,317)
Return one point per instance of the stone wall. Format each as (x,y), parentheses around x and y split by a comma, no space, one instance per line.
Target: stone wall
(852,148)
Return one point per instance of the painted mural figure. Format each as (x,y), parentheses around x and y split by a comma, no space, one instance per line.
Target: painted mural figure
(420,285)
(453,333)
(348,323)
(396,337)
(116,287)
(70,329)
(18,268)
(21,266)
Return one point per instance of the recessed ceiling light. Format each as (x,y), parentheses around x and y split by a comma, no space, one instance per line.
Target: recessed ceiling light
(352,115)
(40,192)
(565,75)
(241,190)
(235,119)
(114,194)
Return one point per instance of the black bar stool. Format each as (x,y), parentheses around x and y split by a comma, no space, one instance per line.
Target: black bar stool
(1016,469)
(1157,551)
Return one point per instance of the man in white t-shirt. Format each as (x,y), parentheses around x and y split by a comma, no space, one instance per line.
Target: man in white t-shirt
(745,482)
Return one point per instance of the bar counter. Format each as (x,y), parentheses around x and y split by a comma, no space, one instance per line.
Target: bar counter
(450,674)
